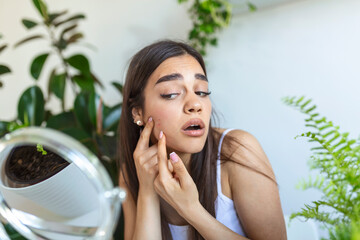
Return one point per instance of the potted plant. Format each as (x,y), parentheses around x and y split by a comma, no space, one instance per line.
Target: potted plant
(29,165)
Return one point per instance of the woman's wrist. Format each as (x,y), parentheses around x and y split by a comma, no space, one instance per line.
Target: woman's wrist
(148,194)
(190,212)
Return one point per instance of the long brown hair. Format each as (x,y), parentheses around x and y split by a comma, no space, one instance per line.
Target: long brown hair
(202,165)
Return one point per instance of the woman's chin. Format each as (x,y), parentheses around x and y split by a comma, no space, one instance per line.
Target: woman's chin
(186,149)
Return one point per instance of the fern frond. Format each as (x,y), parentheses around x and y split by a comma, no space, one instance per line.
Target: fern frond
(337,158)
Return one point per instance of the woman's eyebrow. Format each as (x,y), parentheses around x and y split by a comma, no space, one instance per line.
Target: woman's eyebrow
(201,77)
(178,76)
(170,77)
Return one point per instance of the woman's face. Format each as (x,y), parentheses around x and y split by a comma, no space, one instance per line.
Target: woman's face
(176,97)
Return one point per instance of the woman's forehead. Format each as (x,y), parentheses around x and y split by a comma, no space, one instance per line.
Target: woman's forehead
(179,64)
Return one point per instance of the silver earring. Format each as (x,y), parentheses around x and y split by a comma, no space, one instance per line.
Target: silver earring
(138,122)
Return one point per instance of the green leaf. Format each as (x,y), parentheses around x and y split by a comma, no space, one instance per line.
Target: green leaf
(62,121)
(75,17)
(252,7)
(207,28)
(57,85)
(86,83)
(67,30)
(2,48)
(299,100)
(53,16)
(37,65)
(31,106)
(38,36)
(29,24)
(41,7)
(14,125)
(213,42)
(3,128)
(61,44)
(305,104)
(94,104)
(79,62)
(81,111)
(52,74)
(111,117)
(74,38)
(118,86)
(1,84)
(13,234)
(4,69)
(193,34)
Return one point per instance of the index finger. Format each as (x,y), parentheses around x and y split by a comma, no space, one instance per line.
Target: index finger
(144,139)
(162,156)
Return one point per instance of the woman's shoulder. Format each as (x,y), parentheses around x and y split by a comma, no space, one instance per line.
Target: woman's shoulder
(236,137)
(244,150)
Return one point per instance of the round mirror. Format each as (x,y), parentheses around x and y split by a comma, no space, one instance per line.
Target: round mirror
(53,187)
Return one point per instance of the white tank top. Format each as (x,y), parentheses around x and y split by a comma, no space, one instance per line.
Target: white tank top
(224,207)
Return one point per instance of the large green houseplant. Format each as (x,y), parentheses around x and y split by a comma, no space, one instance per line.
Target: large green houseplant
(337,157)
(89,119)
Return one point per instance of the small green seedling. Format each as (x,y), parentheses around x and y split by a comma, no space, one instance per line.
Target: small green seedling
(40,148)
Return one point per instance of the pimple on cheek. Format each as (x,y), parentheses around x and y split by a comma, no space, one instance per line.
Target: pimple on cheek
(158,123)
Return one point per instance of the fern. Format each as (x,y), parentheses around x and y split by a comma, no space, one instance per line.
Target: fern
(337,158)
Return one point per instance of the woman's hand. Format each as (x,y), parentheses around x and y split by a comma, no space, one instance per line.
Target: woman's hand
(175,185)
(146,162)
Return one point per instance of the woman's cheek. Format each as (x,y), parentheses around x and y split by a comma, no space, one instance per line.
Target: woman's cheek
(162,122)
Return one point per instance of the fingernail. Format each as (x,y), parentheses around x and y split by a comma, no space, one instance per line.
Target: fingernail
(161,134)
(150,119)
(174,157)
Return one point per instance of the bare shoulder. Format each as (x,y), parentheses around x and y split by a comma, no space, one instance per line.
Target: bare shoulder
(253,186)
(245,151)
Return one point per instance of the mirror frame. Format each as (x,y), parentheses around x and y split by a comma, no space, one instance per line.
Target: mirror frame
(73,151)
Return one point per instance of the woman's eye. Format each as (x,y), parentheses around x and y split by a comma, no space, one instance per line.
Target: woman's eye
(202,93)
(169,96)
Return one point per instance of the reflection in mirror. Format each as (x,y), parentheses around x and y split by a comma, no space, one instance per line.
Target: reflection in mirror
(52,187)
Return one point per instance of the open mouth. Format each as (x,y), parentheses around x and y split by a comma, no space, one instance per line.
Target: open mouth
(194,127)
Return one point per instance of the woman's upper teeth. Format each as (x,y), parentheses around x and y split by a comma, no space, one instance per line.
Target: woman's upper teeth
(193,127)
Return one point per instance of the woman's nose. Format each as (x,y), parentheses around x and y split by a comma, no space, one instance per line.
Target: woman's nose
(193,105)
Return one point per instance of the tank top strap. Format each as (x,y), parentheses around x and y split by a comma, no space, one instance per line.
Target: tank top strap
(221,141)
(218,162)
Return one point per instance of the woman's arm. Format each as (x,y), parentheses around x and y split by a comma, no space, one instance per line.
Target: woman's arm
(129,210)
(256,197)
(178,189)
(142,220)
(207,225)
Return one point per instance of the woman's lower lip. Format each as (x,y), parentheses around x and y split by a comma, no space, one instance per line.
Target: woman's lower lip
(194,133)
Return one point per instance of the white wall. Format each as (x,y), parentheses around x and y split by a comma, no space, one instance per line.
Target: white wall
(116,28)
(305,47)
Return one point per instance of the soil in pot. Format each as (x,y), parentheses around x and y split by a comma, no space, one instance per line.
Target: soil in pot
(26,166)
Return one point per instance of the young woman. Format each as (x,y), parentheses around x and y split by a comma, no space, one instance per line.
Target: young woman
(184,178)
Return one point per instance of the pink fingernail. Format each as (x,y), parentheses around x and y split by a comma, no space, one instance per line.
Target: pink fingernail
(161,134)
(150,119)
(174,157)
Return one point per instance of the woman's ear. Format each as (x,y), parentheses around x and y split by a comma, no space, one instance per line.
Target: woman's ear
(137,116)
